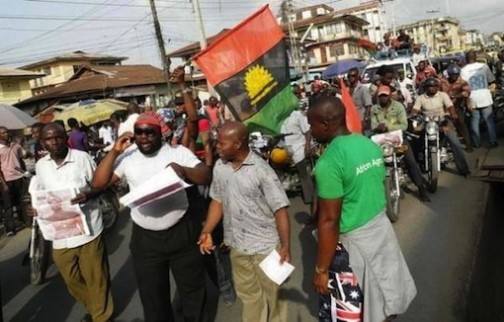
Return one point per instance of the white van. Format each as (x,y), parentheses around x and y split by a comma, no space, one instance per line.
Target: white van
(404,63)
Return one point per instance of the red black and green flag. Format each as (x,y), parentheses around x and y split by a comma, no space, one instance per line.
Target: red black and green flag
(248,67)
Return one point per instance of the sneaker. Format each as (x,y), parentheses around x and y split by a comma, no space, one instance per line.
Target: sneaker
(494,144)
(10,233)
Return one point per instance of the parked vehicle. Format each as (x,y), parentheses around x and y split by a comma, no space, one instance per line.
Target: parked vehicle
(404,63)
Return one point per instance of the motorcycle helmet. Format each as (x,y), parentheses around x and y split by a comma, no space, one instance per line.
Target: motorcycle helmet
(430,82)
(279,156)
(453,70)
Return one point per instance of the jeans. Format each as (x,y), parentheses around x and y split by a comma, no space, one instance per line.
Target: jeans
(486,113)
(155,253)
(456,147)
(413,167)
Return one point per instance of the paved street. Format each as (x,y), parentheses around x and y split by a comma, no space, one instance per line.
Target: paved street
(438,240)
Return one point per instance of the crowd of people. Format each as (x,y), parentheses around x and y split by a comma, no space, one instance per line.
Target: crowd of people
(237,205)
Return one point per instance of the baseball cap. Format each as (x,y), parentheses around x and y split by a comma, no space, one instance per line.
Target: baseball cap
(383,90)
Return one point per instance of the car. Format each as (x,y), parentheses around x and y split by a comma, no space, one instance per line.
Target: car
(404,63)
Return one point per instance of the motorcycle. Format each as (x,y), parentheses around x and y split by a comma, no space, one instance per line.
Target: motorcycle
(393,149)
(436,153)
(498,105)
(272,149)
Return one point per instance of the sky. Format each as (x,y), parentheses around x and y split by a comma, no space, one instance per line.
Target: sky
(33,30)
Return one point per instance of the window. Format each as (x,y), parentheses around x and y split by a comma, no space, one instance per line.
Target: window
(336,50)
(47,71)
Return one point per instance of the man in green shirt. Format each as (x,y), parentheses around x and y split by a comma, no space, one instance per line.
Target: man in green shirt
(390,115)
(360,271)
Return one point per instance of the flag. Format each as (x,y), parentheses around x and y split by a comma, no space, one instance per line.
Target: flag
(248,67)
(353,121)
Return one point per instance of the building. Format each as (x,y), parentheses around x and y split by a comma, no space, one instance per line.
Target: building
(329,36)
(441,35)
(473,39)
(143,84)
(15,84)
(373,12)
(61,68)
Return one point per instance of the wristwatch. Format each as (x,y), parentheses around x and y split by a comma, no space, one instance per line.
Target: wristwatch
(187,91)
(319,270)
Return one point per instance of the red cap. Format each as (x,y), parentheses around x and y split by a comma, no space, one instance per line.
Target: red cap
(383,90)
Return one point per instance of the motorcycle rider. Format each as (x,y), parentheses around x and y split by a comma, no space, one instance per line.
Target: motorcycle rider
(435,103)
(459,92)
(390,115)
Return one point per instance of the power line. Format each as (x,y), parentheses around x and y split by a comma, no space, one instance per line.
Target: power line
(234,5)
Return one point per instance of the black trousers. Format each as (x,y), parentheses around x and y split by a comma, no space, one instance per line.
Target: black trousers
(413,167)
(154,254)
(12,199)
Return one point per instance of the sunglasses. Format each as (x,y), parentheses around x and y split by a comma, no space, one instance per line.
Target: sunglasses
(145,131)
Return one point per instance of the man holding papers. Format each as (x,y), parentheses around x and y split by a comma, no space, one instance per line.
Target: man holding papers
(82,258)
(247,191)
(164,238)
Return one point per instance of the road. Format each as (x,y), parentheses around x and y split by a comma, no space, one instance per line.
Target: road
(438,240)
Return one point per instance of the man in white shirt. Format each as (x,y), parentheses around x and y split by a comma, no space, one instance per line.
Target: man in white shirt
(127,126)
(482,81)
(105,133)
(164,237)
(298,142)
(81,260)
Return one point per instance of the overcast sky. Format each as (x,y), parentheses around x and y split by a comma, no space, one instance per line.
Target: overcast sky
(33,30)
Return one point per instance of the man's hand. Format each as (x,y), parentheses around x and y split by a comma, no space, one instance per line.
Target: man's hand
(5,187)
(81,198)
(321,282)
(179,170)
(177,76)
(382,128)
(205,243)
(284,254)
(123,142)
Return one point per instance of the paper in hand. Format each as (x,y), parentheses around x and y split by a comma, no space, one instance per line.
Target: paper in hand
(276,272)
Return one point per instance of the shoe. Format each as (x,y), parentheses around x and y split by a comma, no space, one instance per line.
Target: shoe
(10,233)
(494,144)
(87,318)
(476,146)
(424,197)
(465,173)
(469,149)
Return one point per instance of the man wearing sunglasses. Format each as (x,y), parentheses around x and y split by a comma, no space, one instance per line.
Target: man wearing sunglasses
(164,237)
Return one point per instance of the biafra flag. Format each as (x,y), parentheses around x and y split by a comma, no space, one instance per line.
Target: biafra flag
(248,67)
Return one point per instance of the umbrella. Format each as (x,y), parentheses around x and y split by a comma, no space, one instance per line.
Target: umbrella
(341,67)
(90,112)
(13,118)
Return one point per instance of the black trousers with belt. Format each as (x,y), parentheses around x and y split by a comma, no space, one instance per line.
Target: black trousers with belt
(154,254)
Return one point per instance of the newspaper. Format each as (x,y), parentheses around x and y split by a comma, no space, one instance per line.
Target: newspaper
(164,184)
(394,137)
(277,272)
(56,216)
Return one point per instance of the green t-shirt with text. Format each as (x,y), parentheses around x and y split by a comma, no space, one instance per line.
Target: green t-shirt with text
(352,168)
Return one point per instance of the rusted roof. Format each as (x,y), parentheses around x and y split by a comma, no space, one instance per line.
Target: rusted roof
(195,47)
(100,78)
(74,56)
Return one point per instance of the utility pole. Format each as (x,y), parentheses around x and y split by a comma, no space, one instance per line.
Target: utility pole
(447,6)
(286,9)
(162,51)
(432,12)
(203,40)
(199,20)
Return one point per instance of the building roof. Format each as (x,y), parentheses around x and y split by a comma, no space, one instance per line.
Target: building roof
(100,78)
(363,6)
(76,55)
(195,47)
(326,18)
(10,73)
(313,7)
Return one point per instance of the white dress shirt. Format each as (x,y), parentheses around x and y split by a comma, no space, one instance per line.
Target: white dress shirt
(76,172)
